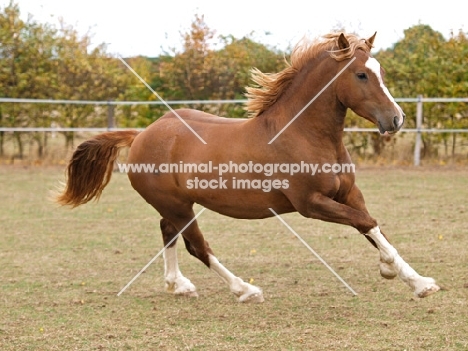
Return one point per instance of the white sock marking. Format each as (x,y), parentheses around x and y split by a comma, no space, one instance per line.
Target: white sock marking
(244,291)
(392,261)
(175,281)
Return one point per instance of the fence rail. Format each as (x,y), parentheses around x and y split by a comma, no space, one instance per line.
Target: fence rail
(113,102)
(419,100)
(187,102)
(106,129)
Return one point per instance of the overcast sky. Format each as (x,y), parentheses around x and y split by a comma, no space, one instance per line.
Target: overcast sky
(143,27)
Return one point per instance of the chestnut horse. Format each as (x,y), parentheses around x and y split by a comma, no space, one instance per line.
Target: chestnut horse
(297,119)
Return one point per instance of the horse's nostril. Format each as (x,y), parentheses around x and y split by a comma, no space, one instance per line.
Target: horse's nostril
(395,122)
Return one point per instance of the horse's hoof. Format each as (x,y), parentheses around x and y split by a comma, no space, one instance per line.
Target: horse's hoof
(256,297)
(429,288)
(187,294)
(181,287)
(428,291)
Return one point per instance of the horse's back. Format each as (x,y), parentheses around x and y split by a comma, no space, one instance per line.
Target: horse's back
(191,115)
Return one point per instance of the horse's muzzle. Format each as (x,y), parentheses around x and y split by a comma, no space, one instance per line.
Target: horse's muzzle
(393,126)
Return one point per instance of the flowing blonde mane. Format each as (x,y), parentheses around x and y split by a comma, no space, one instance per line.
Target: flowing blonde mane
(270,86)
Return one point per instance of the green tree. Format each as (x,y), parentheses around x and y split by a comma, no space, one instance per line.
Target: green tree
(425,63)
(39,61)
(84,73)
(214,67)
(142,115)
(233,64)
(454,115)
(186,75)
(11,48)
(26,71)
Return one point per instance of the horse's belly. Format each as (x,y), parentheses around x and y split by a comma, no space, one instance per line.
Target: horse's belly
(246,204)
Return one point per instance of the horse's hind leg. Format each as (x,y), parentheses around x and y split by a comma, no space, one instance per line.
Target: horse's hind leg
(244,291)
(198,247)
(175,282)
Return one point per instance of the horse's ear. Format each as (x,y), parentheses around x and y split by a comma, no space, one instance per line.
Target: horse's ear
(343,43)
(370,41)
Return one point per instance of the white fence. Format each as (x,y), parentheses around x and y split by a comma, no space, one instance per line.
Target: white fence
(111,126)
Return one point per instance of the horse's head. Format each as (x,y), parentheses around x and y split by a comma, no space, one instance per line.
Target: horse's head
(361,88)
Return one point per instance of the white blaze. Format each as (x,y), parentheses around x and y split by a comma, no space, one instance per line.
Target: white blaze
(374,66)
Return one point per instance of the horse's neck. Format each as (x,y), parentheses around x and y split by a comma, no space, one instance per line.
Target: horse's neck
(324,117)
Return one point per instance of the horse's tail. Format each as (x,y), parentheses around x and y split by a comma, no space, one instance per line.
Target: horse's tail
(90,168)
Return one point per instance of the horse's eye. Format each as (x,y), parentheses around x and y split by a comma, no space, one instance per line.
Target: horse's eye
(362,76)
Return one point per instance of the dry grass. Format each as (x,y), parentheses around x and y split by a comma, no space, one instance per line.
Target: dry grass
(61,271)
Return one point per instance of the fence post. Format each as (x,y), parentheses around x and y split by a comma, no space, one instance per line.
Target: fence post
(417,144)
(110,115)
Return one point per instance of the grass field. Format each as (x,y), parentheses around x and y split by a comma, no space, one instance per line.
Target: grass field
(61,270)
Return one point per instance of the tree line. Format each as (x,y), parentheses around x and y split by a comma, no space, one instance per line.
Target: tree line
(41,61)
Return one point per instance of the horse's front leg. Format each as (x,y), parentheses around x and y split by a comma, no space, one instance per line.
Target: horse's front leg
(392,264)
(354,213)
